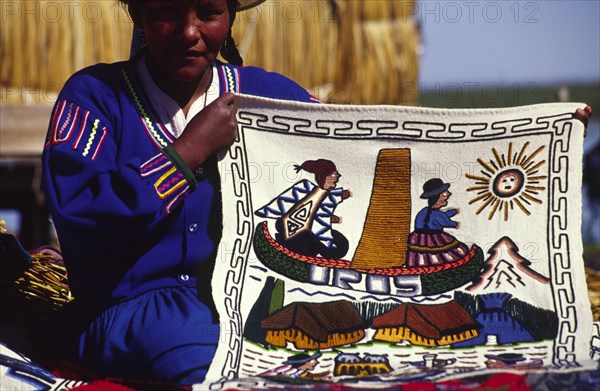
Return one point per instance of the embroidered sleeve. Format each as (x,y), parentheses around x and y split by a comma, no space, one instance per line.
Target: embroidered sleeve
(443,220)
(451,213)
(92,189)
(83,131)
(333,199)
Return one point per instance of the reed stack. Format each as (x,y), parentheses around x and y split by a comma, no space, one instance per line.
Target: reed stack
(343,51)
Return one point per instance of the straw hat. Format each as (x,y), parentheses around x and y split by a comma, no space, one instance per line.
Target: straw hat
(247,4)
(242,5)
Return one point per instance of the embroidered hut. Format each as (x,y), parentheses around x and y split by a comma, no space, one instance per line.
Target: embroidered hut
(426,325)
(353,365)
(315,325)
(498,326)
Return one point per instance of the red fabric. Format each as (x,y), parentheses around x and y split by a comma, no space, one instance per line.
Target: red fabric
(72,370)
(102,385)
(130,385)
(496,382)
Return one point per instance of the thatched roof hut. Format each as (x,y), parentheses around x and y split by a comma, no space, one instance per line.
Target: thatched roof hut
(426,325)
(315,325)
(345,51)
(363,52)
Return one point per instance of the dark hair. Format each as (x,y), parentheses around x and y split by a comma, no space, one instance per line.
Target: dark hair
(229,50)
(433,199)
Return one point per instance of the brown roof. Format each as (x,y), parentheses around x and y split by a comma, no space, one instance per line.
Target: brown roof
(317,320)
(430,321)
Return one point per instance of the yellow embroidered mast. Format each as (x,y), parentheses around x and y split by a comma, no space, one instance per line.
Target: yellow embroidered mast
(387,225)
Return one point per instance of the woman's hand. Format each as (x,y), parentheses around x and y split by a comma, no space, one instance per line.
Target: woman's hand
(210,131)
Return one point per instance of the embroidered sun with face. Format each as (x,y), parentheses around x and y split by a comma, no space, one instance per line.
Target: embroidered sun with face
(508,182)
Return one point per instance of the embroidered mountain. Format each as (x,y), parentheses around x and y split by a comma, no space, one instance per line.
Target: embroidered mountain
(507,271)
(315,325)
(426,325)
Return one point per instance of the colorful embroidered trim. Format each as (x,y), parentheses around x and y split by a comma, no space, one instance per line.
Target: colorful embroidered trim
(169,182)
(82,129)
(150,124)
(177,199)
(178,162)
(231,77)
(68,123)
(156,164)
(86,150)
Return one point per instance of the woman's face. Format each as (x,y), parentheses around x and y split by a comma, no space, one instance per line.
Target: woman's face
(184,37)
(443,200)
(331,180)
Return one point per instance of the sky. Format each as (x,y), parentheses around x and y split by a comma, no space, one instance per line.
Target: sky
(508,41)
(513,42)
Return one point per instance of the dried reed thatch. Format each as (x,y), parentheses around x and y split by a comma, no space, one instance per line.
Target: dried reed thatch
(345,51)
(593,281)
(43,42)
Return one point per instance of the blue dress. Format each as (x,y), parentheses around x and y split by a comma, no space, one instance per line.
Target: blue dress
(138,230)
(429,245)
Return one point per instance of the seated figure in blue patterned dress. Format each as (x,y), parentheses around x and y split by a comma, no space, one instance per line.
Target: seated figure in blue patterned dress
(428,244)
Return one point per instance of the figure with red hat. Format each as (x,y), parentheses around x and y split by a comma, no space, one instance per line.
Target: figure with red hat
(428,244)
(304,213)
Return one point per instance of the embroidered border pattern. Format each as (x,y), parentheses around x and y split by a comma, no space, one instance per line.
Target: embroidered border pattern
(146,119)
(558,126)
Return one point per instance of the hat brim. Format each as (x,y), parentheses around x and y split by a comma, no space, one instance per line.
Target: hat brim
(437,191)
(292,361)
(243,5)
(506,359)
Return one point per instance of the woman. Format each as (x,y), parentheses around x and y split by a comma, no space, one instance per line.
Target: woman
(131,181)
(429,245)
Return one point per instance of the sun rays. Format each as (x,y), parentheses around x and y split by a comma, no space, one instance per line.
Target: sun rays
(508,181)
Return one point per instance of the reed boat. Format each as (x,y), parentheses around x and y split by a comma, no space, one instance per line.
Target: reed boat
(400,281)
(378,264)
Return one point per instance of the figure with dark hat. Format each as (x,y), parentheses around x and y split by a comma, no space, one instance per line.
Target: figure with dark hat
(298,366)
(428,244)
(304,213)
(511,360)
